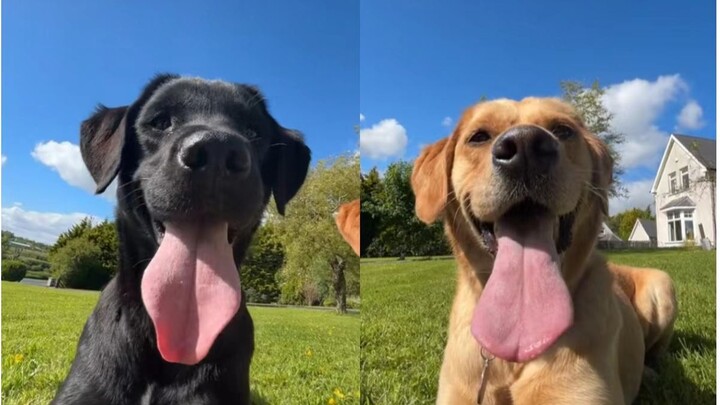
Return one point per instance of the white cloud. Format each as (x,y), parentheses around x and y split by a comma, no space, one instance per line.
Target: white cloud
(636,105)
(66,160)
(43,227)
(447,122)
(4,159)
(385,139)
(362,117)
(690,116)
(639,196)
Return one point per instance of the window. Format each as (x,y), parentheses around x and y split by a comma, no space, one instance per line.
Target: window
(684,178)
(681,225)
(673,183)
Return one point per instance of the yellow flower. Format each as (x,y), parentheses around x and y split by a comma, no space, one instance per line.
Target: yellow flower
(338,393)
(308,353)
(357,394)
(18,358)
(331,401)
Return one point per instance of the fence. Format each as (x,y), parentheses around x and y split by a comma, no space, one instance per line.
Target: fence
(625,244)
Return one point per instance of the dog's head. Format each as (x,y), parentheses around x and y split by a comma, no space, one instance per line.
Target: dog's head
(522,186)
(197,150)
(196,163)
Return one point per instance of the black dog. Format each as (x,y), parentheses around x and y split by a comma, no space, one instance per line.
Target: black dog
(196,162)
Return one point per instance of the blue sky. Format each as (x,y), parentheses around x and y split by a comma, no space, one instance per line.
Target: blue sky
(61,58)
(423,62)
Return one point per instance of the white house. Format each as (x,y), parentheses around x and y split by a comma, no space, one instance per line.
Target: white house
(644,230)
(684,190)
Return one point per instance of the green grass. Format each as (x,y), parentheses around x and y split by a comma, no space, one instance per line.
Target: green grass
(404,327)
(301,356)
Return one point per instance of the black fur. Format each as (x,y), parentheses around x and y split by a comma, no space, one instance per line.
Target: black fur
(117,360)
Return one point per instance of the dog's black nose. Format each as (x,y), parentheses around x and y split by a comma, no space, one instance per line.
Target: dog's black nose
(526,149)
(215,153)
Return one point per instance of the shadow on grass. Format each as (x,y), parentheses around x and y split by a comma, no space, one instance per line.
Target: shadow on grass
(673,385)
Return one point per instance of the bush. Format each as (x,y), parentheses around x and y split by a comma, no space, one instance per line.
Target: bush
(79,264)
(13,270)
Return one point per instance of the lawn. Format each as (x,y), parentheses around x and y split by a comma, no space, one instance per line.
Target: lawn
(301,357)
(405,312)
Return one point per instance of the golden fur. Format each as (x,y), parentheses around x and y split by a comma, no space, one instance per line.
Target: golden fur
(348,223)
(620,313)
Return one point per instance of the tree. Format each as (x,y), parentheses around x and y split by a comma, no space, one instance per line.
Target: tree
(371,187)
(317,258)
(104,236)
(78,264)
(588,103)
(75,231)
(399,231)
(622,223)
(259,269)
(13,270)
(6,238)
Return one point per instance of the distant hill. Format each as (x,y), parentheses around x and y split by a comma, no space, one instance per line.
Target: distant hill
(33,254)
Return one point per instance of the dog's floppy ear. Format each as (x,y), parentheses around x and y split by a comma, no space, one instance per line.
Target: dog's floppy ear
(291,158)
(102,137)
(430,180)
(602,176)
(347,219)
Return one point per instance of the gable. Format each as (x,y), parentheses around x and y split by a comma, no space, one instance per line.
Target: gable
(675,147)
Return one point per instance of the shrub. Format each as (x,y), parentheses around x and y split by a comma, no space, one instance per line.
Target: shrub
(13,270)
(79,264)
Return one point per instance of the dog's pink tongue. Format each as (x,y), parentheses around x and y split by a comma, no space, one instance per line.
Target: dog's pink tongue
(191,289)
(525,305)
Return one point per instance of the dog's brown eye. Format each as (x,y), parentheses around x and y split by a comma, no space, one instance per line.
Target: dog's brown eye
(479,137)
(563,131)
(161,122)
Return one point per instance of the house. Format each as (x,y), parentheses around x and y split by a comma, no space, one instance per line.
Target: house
(644,230)
(684,191)
(607,235)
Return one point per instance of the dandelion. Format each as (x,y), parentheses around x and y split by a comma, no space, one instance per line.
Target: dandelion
(332,401)
(338,393)
(308,353)
(18,358)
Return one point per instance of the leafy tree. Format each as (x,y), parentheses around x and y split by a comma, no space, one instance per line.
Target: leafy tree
(260,268)
(104,236)
(622,223)
(6,238)
(79,264)
(400,233)
(371,187)
(588,103)
(75,231)
(317,258)
(13,270)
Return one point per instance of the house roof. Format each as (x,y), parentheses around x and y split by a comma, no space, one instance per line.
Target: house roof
(700,149)
(678,202)
(607,234)
(650,227)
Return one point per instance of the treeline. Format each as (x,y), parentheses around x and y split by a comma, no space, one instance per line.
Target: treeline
(296,259)
(389,226)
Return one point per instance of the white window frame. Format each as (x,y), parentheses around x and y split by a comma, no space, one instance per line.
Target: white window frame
(684,175)
(680,218)
(672,182)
